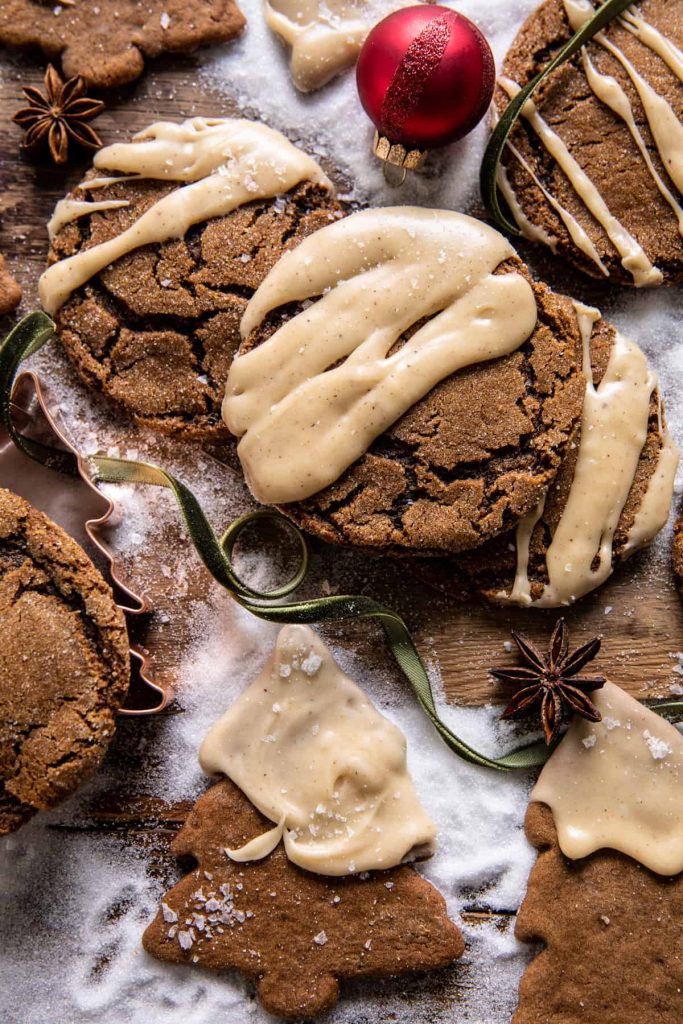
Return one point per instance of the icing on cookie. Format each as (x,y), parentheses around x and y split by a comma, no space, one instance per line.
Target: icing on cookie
(223,165)
(666,129)
(634,259)
(325,36)
(314,755)
(311,399)
(614,428)
(68,210)
(618,784)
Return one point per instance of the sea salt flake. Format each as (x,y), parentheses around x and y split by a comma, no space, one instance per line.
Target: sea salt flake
(659,748)
(311,664)
(320,939)
(165,20)
(589,741)
(185,940)
(170,916)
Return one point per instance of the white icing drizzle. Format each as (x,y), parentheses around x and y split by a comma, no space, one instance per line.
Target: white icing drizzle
(314,755)
(618,784)
(311,399)
(68,210)
(654,509)
(655,41)
(613,431)
(664,125)
(579,236)
(225,164)
(634,259)
(533,232)
(607,89)
(325,36)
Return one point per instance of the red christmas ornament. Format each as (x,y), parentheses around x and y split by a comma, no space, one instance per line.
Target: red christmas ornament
(425,77)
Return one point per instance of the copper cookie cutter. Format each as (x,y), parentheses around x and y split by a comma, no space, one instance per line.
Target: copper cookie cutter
(82,510)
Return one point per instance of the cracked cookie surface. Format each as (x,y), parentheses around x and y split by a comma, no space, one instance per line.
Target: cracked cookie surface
(64,663)
(107,43)
(491,569)
(469,459)
(157,330)
(598,139)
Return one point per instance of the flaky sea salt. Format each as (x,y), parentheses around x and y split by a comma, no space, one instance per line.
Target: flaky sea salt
(320,939)
(169,915)
(659,748)
(589,741)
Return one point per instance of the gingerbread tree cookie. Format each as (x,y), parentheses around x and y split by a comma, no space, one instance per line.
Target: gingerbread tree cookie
(297,933)
(107,43)
(606,893)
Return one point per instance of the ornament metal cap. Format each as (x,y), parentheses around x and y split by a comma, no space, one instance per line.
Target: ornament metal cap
(396,155)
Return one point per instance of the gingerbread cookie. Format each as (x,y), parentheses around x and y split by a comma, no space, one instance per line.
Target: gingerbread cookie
(64,665)
(107,43)
(166,263)
(10,292)
(404,385)
(610,498)
(606,895)
(594,168)
(296,933)
(677,550)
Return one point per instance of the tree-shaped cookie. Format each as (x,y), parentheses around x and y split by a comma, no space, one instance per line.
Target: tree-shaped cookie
(606,894)
(297,933)
(107,42)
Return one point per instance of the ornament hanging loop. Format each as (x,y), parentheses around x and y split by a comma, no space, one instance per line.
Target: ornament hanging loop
(393,175)
(396,159)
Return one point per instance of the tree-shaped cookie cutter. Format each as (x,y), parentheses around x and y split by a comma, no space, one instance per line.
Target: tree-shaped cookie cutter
(35,413)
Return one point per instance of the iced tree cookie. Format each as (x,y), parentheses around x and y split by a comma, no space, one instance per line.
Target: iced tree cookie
(595,165)
(299,881)
(64,664)
(156,254)
(606,894)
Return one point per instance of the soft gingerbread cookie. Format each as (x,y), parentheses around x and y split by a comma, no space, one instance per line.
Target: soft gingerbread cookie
(613,934)
(64,663)
(297,933)
(107,42)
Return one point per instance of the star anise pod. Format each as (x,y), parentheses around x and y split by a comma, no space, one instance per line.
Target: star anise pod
(550,682)
(58,115)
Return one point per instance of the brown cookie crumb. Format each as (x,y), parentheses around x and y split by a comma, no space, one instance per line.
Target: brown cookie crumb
(298,934)
(107,42)
(10,291)
(613,937)
(64,664)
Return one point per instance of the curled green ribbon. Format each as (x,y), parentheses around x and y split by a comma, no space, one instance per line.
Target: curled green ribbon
(488,181)
(216,554)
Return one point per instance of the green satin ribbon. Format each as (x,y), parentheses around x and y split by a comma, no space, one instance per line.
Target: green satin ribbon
(488,181)
(216,554)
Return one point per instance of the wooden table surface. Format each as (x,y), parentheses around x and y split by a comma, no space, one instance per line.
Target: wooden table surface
(638,611)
